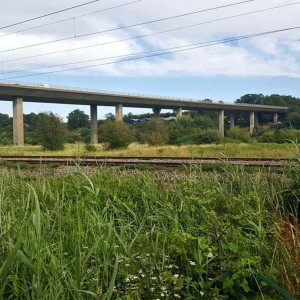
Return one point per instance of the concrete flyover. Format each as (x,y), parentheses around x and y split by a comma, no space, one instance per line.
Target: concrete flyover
(19,93)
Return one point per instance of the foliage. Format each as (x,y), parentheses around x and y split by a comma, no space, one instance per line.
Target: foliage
(51,131)
(119,236)
(287,135)
(77,119)
(239,134)
(116,135)
(154,132)
(90,148)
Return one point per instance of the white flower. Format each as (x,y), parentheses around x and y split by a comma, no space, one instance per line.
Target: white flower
(176,275)
(177,296)
(201,293)
(209,255)
(192,263)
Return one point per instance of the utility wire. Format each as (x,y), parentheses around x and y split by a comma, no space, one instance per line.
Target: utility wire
(70,19)
(147,35)
(164,52)
(50,14)
(128,26)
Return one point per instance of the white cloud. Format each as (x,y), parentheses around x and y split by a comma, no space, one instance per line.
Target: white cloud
(272,55)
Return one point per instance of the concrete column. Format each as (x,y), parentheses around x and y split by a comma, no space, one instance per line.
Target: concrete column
(94,125)
(231,120)
(221,123)
(18,123)
(178,112)
(252,121)
(255,119)
(156,112)
(119,113)
(275,118)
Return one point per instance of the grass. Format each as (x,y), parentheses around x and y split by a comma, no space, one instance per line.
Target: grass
(119,236)
(228,150)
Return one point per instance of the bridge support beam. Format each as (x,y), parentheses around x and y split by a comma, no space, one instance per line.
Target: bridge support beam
(252,121)
(221,123)
(94,125)
(156,112)
(232,120)
(275,118)
(256,119)
(18,123)
(119,113)
(178,112)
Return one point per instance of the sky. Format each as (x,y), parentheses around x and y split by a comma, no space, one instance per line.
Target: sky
(223,71)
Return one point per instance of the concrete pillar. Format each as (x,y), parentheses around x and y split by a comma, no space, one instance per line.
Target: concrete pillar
(252,121)
(18,123)
(178,112)
(119,113)
(221,123)
(275,118)
(156,112)
(255,119)
(231,120)
(94,125)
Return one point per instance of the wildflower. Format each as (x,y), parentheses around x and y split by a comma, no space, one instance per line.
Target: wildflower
(192,263)
(209,255)
(201,293)
(127,265)
(153,278)
(177,296)
(176,275)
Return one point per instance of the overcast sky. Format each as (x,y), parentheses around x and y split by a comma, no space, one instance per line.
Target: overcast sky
(266,64)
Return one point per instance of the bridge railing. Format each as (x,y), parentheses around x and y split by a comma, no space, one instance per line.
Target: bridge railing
(97,91)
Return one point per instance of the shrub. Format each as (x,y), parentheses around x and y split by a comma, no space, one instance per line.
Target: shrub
(90,148)
(239,134)
(287,135)
(209,136)
(154,133)
(116,135)
(51,131)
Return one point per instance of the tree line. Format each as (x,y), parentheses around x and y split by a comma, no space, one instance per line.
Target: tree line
(195,127)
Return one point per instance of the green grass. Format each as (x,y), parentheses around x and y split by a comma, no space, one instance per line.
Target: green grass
(228,150)
(120,236)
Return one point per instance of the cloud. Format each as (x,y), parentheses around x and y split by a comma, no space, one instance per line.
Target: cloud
(272,55)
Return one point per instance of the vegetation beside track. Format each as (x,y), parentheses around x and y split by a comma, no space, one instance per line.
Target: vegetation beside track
(115,235)
(262,150)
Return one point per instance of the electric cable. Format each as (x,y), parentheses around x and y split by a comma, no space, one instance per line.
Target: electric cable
(126,27)
(50,14)
(167,52)
(146,35)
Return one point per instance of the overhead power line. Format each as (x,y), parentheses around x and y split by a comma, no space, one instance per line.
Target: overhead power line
(71,19)
(50,14)
(144,35)
(127,26)
(162,52)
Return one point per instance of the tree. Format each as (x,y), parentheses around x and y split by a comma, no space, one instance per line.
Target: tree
(51,131)
(77,119)
(116,134)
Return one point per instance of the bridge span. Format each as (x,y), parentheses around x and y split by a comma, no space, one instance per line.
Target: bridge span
(19,93)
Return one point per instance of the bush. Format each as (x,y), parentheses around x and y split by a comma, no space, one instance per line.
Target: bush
(116,135)
(154,133)
(51,131)
(287,135)
(90,148)
(239,134)
(267,137)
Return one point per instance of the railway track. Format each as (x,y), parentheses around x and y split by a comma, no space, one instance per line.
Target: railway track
(159,161)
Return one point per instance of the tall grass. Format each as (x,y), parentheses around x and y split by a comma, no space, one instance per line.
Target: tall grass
(120,236)
(228,150)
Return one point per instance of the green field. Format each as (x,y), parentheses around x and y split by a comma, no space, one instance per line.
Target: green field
(267,150)
(141,235)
